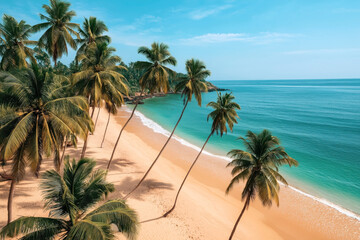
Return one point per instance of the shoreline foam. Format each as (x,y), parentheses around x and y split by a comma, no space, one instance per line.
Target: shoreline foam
(159,129)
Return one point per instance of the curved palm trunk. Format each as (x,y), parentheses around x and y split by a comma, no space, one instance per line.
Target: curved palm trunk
(63,153)
(86,140)
(162,149)
(10,200)
(107,124)
(122,129)
(97,117)
(187,174)
(246,204)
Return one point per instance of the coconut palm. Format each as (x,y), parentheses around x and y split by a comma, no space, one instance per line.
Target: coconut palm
(155,77)
(259,167)
(224,114)
(14,43)
(91,32)
(189,85)
(36,114)
(100,78)
(59,29)
(69,198)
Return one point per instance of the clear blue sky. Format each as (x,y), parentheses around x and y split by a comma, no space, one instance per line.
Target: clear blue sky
(245,39)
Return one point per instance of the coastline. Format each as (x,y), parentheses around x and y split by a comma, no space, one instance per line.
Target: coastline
(203,210)
(159,129)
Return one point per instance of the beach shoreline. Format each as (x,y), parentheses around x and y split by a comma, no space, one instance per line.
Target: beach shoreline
(157,128)
(203,210)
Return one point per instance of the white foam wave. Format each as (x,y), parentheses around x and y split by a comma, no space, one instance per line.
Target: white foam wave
(158,129)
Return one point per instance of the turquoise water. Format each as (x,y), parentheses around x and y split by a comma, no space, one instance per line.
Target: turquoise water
(317,121)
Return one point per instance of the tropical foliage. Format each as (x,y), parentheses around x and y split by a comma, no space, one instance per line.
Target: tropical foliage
(156,75)
(99,78)
(258,166)
(69,198)
(36,114)
(59,29)
(14,43)
(92,31)
(192,83)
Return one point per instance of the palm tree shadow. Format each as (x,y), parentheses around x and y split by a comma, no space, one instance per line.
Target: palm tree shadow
(152,219)
(146,187)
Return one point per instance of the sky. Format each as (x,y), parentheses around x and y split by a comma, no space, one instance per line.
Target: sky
(243,39)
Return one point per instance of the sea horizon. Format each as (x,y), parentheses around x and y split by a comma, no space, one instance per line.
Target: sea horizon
(344,202)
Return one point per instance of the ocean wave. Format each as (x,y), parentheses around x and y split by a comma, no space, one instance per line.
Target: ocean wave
(159,129)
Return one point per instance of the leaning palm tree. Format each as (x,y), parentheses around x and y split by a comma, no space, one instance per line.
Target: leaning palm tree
(111,109)
(189,85)
(91,32)
(36,114)
(14,43)
(259,167)
(100,78)
(69,198)
(224,114)
(155,77)
(59,29)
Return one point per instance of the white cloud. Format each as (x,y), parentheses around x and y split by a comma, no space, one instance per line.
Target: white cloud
(262,38)
(323,51)
(203,13)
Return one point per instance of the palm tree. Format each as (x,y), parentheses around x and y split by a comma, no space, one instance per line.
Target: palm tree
(192,83)
(91,32)
(14,44)
(259,166)
(100,78)
(69,198)
(224,114)
(155,77)
(59,29)
(36,114)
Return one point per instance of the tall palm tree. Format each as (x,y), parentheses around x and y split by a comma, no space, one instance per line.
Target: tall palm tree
(14,43)
(189,85)
(69,198)
(155,77)
(100,78)
(59,29)
(259,167)
(224,114)
(36,114)
(91,32)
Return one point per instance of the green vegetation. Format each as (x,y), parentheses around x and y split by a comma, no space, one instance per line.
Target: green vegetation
(44,107)
(259,168)
(190,84)
(69,198)
(155,76)
(36,115)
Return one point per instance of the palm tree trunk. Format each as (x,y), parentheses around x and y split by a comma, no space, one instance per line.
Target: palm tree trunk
(64,149)
(187,174)
(107,124)
(97,117)
(242,212)
(86,140)
(162,149)
(10,200)
(122,129)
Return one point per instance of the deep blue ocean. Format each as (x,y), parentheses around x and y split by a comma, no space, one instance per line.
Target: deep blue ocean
(317,121)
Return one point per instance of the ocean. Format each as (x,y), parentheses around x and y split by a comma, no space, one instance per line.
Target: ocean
(317,121)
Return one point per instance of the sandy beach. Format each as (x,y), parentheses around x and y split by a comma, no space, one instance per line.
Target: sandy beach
(203,210)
